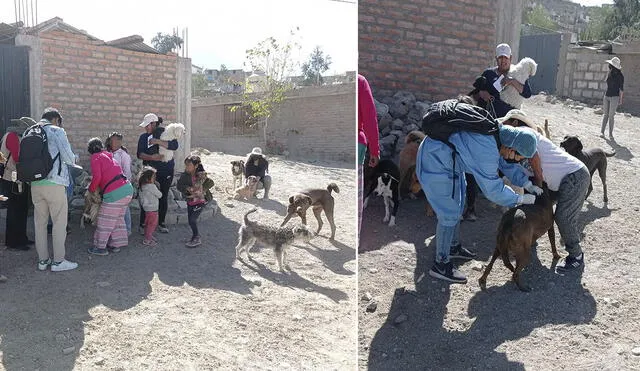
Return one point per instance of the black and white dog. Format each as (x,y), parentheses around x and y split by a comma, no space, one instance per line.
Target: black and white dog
(385,182)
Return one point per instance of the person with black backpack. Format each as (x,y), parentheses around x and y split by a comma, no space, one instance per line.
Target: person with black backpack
(463,138)
(45,153)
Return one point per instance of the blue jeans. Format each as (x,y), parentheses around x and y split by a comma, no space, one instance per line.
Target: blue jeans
(446,237)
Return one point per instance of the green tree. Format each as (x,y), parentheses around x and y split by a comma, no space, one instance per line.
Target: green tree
(165,43)
(264,93)
(624,20)
(539,17)
(198,85)
(598,27)
(313,69)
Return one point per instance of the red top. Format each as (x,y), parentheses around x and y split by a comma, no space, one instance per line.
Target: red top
(103,169)
(367,118)
(13,145)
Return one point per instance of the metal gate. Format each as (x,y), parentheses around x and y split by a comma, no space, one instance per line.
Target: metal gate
(545,50)
(14,84)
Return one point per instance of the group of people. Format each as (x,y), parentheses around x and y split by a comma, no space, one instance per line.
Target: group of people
(111,177)
(473,160)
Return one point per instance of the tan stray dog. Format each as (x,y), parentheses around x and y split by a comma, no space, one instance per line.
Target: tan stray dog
(237,171)
(92,201)
(407,161)
(320,199)
(415,187)
(248,190)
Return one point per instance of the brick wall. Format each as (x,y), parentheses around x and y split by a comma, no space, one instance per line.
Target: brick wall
(313,123)
(433,48)
(100,89)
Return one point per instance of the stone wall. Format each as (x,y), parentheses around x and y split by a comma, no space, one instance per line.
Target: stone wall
(313,123)
(100,88)
(585,75)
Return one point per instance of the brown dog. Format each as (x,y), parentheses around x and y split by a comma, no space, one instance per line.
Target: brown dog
(92,201)
(415,187)
(519,228)
(407,160)
(320,199)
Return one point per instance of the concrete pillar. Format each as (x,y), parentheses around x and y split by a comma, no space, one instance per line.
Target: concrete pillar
(35,73)
(562,63)
(183,109)
(508,24)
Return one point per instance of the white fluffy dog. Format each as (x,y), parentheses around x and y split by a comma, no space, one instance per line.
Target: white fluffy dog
(526,68)
(171,132)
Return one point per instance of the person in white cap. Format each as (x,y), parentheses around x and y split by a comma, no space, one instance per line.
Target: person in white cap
(257,165)
(488,96)
(613,96)
(148,152)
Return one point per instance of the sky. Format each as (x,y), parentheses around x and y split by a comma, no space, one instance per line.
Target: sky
(220,31)
(593,2)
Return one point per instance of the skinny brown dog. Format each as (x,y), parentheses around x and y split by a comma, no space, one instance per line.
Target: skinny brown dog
(407,161)
(320,199)
(519,228)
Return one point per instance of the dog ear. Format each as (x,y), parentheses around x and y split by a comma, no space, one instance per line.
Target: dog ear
(579,146)
(308,200)
(291,199)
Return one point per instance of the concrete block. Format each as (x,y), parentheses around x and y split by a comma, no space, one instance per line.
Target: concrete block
(581,84)
(583,66)
(587,93)
(593,85)
(588,76)
(595,67)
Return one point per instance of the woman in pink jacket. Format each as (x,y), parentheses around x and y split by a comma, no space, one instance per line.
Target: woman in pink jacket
(367,137)
(111,230)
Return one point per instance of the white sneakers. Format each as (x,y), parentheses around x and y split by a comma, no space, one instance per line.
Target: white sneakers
(64,265)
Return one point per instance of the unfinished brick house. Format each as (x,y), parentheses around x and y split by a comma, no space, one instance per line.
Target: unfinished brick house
(432,48)
(99,86)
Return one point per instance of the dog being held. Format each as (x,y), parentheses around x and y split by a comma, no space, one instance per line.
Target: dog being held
(519,228)
(387,175)
(278,238)
(171,132)
(594,159)
(526,68)
(237,171)
(318,198)
(92,201)
(248,190)
(407,161)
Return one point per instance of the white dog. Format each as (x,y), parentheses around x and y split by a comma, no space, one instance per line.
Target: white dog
(171,132)
(526,68)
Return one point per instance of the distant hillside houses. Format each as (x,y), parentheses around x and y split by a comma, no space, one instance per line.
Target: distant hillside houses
(233,81)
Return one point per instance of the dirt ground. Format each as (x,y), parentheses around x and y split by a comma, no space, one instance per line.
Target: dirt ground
(178,308)
(586,321)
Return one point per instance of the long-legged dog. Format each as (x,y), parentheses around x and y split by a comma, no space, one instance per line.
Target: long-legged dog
(237,171)
(519,228)
(318,198)
(594,159)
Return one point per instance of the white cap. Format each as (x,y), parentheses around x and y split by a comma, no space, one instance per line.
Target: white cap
(256,151)
(503,50)
(149,118)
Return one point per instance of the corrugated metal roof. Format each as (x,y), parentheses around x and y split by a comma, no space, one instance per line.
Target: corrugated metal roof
(134,43)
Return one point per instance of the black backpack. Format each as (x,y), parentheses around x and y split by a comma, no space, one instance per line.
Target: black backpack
(35,159)
(451,116)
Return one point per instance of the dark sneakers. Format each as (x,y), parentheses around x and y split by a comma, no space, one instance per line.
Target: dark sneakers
(446,272)
(571,263)
(459,252)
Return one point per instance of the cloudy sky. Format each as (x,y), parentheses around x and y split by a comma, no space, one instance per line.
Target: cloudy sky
(219,30)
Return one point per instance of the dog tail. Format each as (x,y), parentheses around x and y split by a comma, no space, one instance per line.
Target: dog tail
(246,216)
(334,187)
(610,154)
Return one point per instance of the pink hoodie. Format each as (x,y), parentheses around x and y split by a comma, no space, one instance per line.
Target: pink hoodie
(103,169)
(367,118)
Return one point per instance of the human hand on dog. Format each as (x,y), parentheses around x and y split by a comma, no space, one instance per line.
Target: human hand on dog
(526,199)
(532,188)
(373,161)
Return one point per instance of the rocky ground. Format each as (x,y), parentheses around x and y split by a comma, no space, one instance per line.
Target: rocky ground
(178,308)
(587,321)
